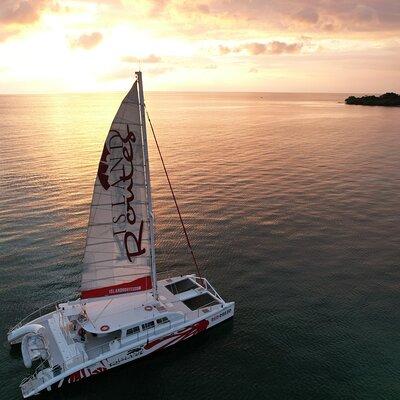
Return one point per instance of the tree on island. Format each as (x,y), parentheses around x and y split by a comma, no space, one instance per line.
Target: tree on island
(387,100)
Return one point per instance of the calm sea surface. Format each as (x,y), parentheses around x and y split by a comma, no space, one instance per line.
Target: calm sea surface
(293,205)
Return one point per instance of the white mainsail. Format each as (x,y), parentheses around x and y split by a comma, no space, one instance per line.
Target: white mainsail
(119,252)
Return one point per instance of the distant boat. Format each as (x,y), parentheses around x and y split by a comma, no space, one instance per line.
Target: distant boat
(123,312)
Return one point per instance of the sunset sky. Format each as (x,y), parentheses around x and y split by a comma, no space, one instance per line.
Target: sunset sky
(210,45)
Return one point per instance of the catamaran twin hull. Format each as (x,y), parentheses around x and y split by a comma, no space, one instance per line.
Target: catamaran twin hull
(147,348)
(82,338)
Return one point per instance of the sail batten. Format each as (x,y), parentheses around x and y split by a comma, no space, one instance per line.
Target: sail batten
(119,252)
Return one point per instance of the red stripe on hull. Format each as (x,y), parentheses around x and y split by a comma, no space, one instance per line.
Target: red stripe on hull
(136,285)
(178,336)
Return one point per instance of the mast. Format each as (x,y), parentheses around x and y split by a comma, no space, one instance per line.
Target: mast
(150,213)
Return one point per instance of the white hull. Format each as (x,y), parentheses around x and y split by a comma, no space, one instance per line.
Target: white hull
(115,353)
(115,359)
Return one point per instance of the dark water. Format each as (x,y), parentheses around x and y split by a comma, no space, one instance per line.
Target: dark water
(292,203)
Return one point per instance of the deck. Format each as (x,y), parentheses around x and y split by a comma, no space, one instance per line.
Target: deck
(180,301)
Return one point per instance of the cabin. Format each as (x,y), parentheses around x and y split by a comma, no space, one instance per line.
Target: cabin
(105,324)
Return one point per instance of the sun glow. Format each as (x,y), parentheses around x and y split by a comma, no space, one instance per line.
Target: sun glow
(94,45)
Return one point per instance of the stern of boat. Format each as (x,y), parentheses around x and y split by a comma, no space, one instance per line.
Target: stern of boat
(47,346)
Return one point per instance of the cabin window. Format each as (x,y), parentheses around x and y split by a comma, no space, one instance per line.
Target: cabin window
(133,330)
(163,320)
(204,300)
(181,286)
(148,325)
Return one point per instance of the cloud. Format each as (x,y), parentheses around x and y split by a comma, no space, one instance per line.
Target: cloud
(157,7)
(127,72)
(7,33)
(308,15)
(14,14)
(87,41)
(243,19)
(365,13)
(121,73)
(159,70)
(224,50)
(203,8)
(292,15)
(22,11)
(150,59)
(255,48)
(281,47)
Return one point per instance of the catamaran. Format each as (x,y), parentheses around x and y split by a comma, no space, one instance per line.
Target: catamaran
(123,312)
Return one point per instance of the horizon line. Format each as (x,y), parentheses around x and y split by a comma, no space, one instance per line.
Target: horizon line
(181,91)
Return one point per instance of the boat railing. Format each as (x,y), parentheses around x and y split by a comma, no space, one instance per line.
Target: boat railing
(207,285)
(93,352)
(205,308)
(41,311)
(33,381)
(28,385)
(101,349)
(90,353)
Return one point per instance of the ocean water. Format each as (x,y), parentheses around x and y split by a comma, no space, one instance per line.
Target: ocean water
(292,202)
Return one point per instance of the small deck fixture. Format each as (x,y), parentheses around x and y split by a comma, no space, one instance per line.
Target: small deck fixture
(123,312)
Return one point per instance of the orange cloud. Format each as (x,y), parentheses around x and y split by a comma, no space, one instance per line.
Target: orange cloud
(24,11)
(16,13)
(254,48)
(343,16)
(275,47)
(348,39)
(224,50)
(87,41)
(157,7)
(126,72)
(150,59)
(308,15)
(6,33)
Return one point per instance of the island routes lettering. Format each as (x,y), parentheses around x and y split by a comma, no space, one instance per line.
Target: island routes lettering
(134,353)
(117,160)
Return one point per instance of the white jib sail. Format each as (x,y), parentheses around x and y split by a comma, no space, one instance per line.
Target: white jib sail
(119,249)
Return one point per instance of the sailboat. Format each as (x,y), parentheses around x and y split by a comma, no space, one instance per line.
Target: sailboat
(123,312)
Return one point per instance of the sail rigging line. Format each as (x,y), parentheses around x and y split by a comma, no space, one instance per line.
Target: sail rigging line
(173,195)
(101,312)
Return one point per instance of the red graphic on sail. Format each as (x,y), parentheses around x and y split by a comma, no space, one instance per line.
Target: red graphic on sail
(103,166)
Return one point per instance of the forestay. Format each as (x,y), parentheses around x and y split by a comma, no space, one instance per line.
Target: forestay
(118,254)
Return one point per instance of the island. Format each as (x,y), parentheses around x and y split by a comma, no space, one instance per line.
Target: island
(387,100)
